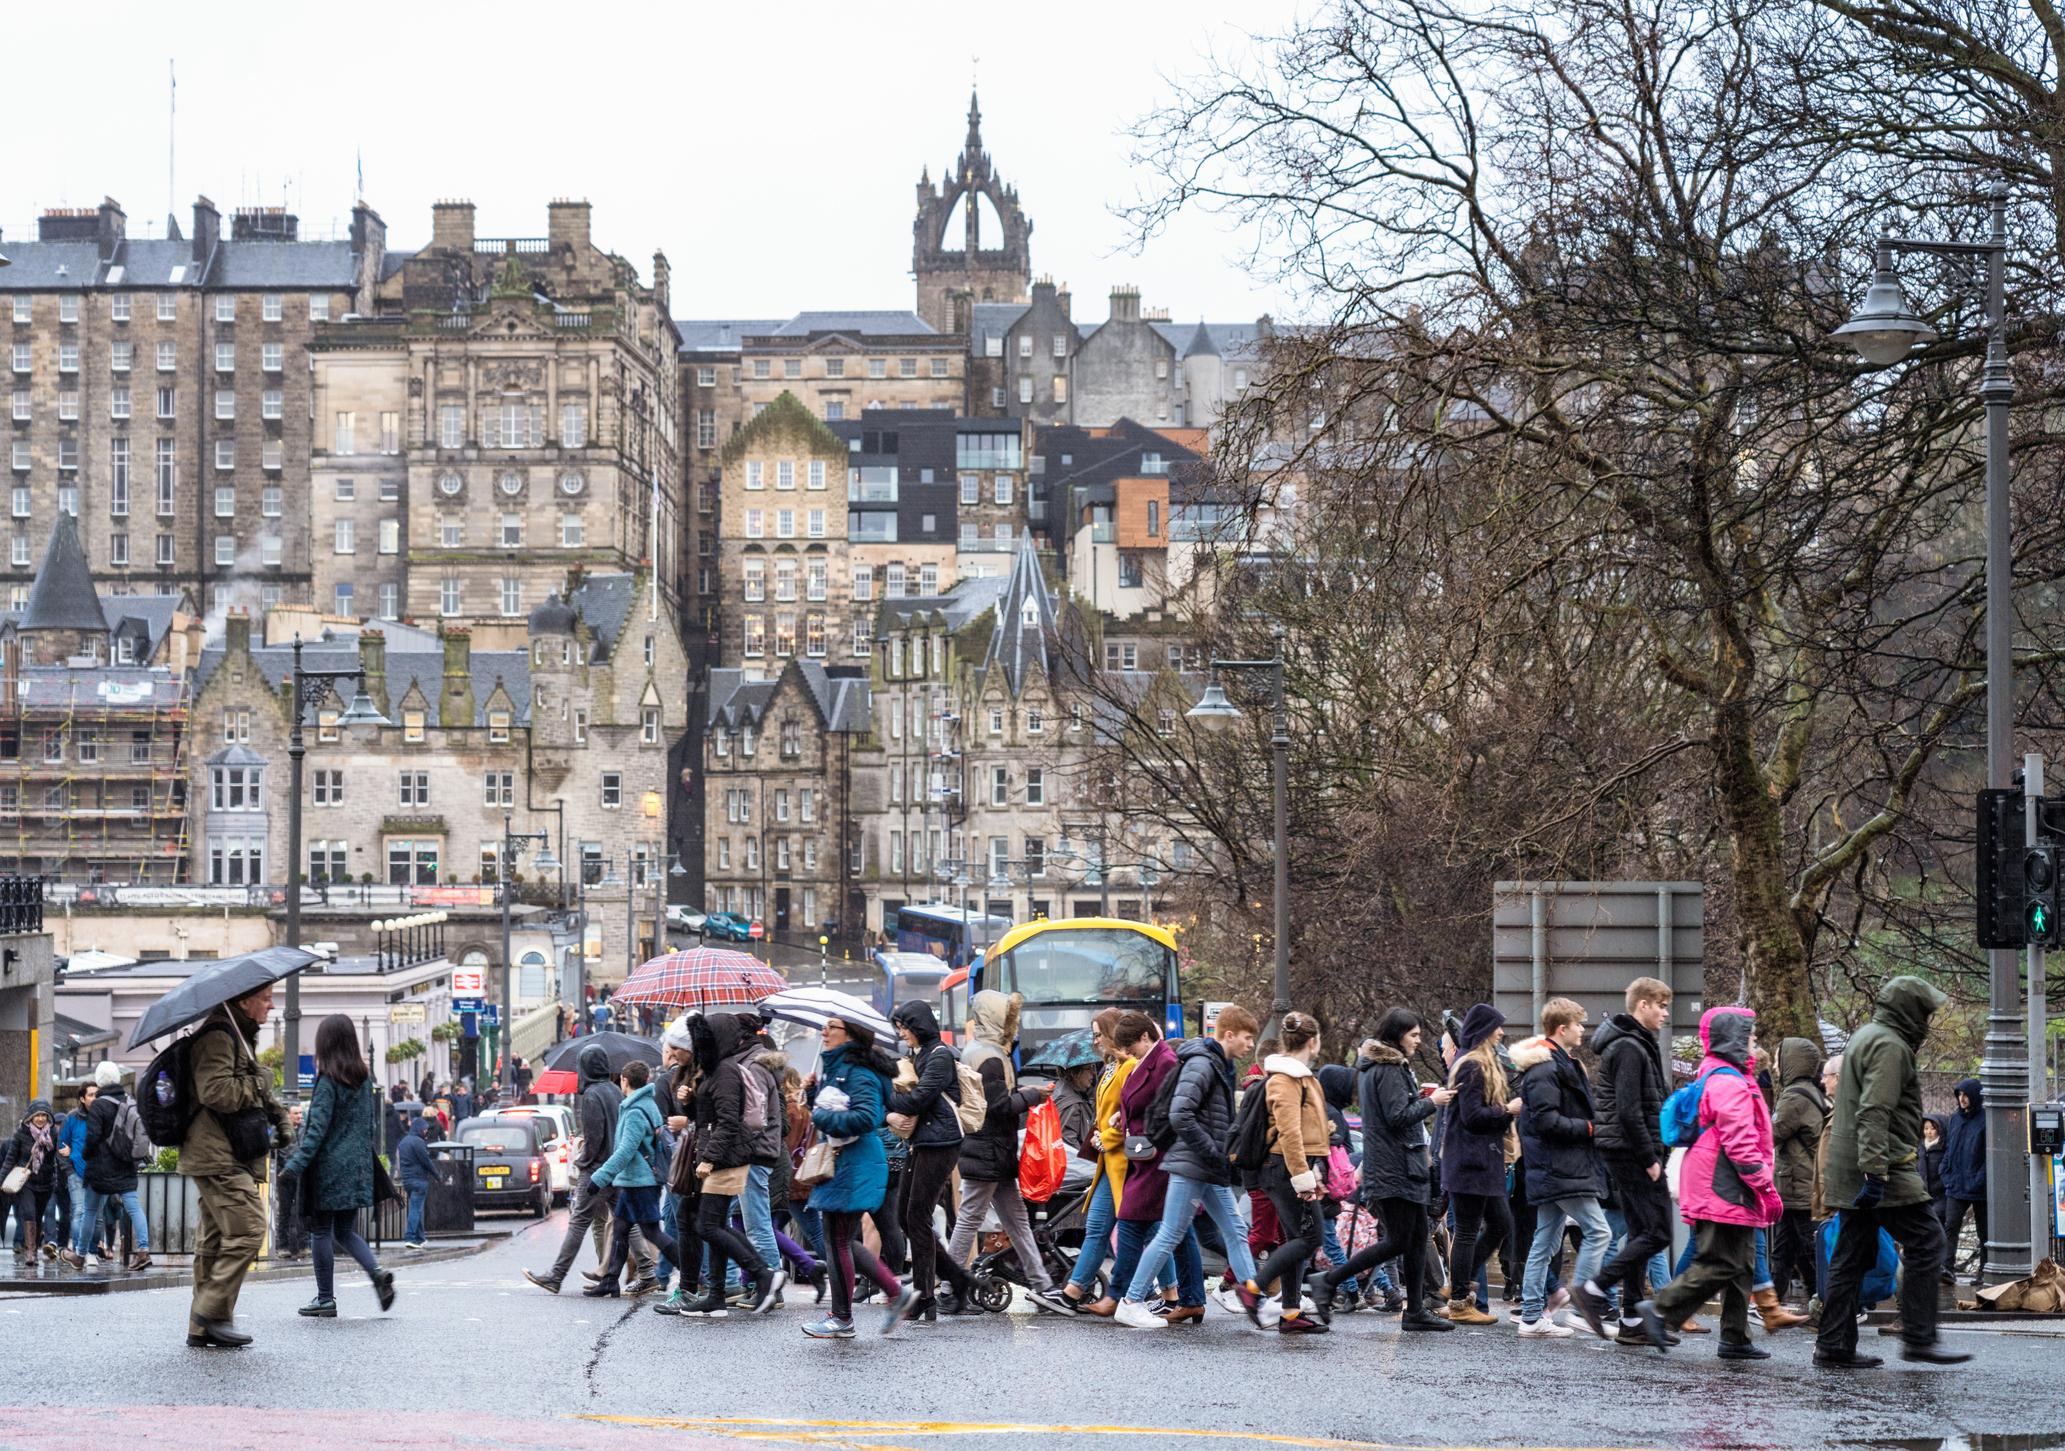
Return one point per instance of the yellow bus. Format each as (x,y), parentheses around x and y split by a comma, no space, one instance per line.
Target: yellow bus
(1069,969)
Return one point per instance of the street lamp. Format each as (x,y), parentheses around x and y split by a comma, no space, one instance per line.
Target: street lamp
(308,687)
(514,843)
(1883,331)
(1215,710)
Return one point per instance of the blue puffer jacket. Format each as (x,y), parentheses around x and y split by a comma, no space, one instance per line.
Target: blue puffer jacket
(860,1176)
(1964,1145)
(637,1122)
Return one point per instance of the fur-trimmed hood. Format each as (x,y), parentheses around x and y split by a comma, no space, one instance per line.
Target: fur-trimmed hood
(993,1017)
(1285,1063)
(1530,1051)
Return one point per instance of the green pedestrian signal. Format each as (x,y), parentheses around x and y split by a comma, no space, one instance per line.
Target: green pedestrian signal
(2039,920)
(2040,895)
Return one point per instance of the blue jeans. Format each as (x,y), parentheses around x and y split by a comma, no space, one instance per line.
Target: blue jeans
(1175,1236)
(1133,1238)
(417,1199)
(326,1230)
(1582,1210)
(1097,1222)
(84,1231)
(757,1212)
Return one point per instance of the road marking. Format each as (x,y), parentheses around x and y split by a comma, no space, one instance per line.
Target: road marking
(814,1432)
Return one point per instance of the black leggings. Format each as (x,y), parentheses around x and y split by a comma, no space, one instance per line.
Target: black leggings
(926,1183)
(1469,1251)
(1405,1236)
(1299,1217)
(727,1246)
(889,1222)
(842,1238)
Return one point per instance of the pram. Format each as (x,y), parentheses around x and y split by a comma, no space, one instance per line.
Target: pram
(1057,1226)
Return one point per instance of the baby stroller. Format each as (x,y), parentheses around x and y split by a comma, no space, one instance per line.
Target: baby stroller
(1057,1226)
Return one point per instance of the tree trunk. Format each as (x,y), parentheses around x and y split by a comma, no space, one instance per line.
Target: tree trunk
(1773,955)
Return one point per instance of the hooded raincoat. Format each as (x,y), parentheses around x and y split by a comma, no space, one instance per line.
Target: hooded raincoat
(1876,1129)
(1796,1126)
(990,1154)
(1964,1145)
(1727,1174)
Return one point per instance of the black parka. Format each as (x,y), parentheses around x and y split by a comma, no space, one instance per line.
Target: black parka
(1396,1160)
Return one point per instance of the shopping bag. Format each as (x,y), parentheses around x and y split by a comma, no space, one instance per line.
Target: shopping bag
(1043,1158)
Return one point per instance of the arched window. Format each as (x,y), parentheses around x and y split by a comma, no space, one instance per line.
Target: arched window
(530,977)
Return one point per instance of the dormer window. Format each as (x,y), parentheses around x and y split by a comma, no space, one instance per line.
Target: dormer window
(1032,613)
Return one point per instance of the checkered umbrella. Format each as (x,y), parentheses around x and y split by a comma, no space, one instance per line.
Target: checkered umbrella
(700,977)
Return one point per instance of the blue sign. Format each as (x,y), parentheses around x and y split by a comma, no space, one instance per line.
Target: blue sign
(307,1074)
(466,1005)
(494,1015)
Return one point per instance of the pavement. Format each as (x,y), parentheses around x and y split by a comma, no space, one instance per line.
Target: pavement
(474,1357)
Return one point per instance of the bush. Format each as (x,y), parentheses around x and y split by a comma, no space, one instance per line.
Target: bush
(404,1051)
(166,1162)
(275,1059)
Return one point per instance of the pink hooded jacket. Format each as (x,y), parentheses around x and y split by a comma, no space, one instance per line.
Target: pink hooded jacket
(1726,1176)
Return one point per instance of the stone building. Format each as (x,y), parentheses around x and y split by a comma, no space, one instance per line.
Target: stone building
(563,724)
(525,390)
(159,389)
(954,278)
(788,782)
(95,727)
(783,562)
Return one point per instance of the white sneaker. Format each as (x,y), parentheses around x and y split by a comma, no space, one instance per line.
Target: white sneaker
(1228,1299)
(1558,1298)
(1544,1328)
(1271,1312)
(1139,1316)
(93,1263)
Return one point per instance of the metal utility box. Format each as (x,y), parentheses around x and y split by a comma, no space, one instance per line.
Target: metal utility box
(1589,940)
(449,1209)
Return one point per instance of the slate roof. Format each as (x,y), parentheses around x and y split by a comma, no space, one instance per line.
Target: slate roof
(604,602)
(956,609)
(63,596)
(724,335)
(1228,339)
(422,669)
(160,263)
(988,320)
(1028,627)
(720,335)
(842,699)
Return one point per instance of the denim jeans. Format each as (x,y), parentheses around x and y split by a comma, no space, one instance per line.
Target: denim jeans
(417,1199)
(84,1227)
(1582,1210)
(328,1229)
(1097,1222)
(1174,1236)
(757,1214)
(1134,1235)
(1330,1241)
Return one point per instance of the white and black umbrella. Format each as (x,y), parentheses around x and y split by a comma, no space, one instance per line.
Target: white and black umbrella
(812,1006)
(218,983)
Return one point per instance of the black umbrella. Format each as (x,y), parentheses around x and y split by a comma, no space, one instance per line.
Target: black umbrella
(622,1048)
(216,984)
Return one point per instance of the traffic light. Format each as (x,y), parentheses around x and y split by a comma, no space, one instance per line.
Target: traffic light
(1999,875)
(2040,896)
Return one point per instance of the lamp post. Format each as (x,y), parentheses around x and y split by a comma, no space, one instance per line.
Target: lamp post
(1883,331)
(514,842)
(1215,710)
(308,688)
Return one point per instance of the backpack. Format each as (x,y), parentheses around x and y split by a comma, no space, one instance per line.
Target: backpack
(970,1103)
(1159,1131)
(127,1140)
(1247,1148)
(164,1099)
(1679,1119)
(659,1146)
(759,1093)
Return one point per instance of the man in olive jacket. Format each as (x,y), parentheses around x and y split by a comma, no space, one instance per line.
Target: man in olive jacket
(1871,1176)
(224,1154)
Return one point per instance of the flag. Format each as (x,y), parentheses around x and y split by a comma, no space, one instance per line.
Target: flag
(362,174)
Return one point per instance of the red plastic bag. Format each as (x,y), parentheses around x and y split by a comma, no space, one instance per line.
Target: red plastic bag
(1043,1157)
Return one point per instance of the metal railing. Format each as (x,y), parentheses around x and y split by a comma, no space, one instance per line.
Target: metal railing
(21,904)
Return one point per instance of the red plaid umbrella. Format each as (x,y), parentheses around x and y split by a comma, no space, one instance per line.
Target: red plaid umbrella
(698,977)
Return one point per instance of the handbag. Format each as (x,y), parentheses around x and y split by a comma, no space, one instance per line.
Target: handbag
(681,1169)
(384,1186)
(727,1182)
(1139,1148)
(16,1177)
(820,1162)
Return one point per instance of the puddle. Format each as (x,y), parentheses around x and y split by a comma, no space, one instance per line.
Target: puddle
(1966,1441)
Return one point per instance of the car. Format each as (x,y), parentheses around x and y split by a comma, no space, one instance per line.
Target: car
(727,927)
(508,1163)
(686,919)
(557,1138)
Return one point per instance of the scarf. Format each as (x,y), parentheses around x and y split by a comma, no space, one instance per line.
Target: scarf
(39,1146)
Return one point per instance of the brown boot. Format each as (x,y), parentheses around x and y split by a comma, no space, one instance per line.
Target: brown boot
(141,1260)
(1776,1316)
(1104,1308)
(1693,1327)
(1465,1312)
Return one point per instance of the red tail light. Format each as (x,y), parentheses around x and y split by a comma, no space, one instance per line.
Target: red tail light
(537,1168)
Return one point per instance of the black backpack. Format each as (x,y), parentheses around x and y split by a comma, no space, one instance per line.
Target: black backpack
(1159,1131)
(165,1090)
(1248,1148)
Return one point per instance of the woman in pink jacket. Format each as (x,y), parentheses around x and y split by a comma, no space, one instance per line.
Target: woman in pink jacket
(1725,1189)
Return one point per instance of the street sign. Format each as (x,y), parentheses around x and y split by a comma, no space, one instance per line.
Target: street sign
(469,982)
(1210,1017)
(1589,940)
(405,1013)
(307,1074)
(466,1005)
(756,932)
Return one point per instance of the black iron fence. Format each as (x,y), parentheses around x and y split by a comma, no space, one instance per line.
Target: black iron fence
(21,904)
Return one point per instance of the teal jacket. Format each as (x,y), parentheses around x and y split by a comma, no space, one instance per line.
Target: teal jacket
(335,1154)
(860,1171)
(628,1165)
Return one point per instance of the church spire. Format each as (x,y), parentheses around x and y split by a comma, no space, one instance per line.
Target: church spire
(974,147)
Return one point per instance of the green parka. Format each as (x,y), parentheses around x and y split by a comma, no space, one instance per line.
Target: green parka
(1796,1126)
(1876,1128)
(227,1078)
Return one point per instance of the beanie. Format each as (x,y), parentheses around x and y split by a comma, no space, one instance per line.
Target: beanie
(107,1073)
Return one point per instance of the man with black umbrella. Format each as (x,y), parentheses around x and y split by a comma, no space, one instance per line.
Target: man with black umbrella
(240,1122)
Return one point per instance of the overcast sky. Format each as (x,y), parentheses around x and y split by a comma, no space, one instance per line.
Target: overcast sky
(770,150)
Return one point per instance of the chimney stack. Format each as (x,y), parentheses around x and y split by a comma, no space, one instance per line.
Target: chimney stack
(566,225)
(207,230)
(456,706)
(451,226)
(1125,303)
(112,225)
(373,665)
(236,629)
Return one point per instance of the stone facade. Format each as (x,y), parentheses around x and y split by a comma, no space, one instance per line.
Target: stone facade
(159,390)
(951,279)
(783,561)
(358,515)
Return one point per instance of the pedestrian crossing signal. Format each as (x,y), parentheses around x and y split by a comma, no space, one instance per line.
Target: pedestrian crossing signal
(2040,895)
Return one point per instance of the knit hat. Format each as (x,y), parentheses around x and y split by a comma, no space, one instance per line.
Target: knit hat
(107,1073)
(1480,1023)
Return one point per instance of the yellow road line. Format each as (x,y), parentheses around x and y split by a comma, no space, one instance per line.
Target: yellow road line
(813,1432)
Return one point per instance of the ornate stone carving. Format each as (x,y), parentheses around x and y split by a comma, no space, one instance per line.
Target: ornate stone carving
(512,374)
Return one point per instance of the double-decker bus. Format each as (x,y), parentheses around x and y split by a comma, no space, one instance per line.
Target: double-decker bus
(1070,969)
(952,934)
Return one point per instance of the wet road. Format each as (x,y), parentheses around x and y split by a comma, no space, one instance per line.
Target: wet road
(473,1356)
